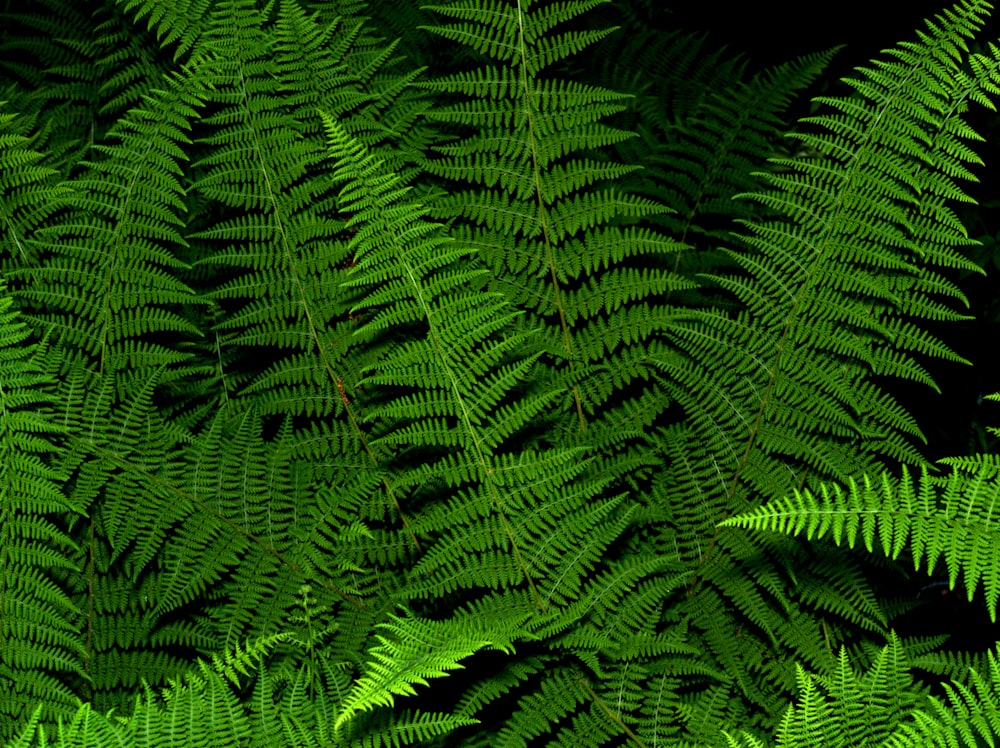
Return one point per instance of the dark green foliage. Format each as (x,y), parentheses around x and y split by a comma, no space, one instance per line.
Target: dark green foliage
(348,401)
(39,643)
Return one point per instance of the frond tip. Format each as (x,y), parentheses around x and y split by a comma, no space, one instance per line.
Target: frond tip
(956,518)
(413,651)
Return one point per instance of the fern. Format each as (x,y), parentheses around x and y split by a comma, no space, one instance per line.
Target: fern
(49,63)
(123,220)
(939,519)
(361,404)
(537,195)
(885,707)
(703,126)
(32,191)
(413,652)
(39,649)
(816,280)
(461,400)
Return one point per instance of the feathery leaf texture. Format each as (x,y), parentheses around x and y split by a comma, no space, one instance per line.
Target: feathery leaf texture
(950,519)
(347,401)
(39,648)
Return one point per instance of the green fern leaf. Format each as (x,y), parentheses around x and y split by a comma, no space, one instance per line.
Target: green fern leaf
(950,519)
(535,193)
(40,646)
(415,650)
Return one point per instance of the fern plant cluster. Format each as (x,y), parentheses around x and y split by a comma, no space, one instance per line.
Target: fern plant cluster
(382,375)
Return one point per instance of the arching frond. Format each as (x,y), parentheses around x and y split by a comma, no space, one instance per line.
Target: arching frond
(40,650)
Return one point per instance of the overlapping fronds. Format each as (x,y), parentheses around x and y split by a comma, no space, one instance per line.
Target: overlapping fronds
(200,709)
(443,381)
(31,192)
(842,278)
(885,707)
(102,276)
(705,129)
(537,195)
(48,65)
(177,25)
(412,651)
(122,459)
(950,519)
(273,271)
(830,292)
(40,647)
(453,380)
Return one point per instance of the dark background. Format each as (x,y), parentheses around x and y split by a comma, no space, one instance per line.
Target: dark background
(769,33)
(954,421)
(773,32)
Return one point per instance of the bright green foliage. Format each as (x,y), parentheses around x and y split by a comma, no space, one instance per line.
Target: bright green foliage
(349,402)
(876,709)
(950,519)
(425,649)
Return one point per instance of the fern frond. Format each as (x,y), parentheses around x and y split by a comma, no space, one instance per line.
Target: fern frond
(414,650)
(49,56)
(848,708)
(823,287)
(884,707)
(969,716)
(466,347)
(705,130)
(40,643)
(198,710)
(778,385)
(410,265)
(107,283)
(536,194)
(177,24)
(31,192)
(950,519)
